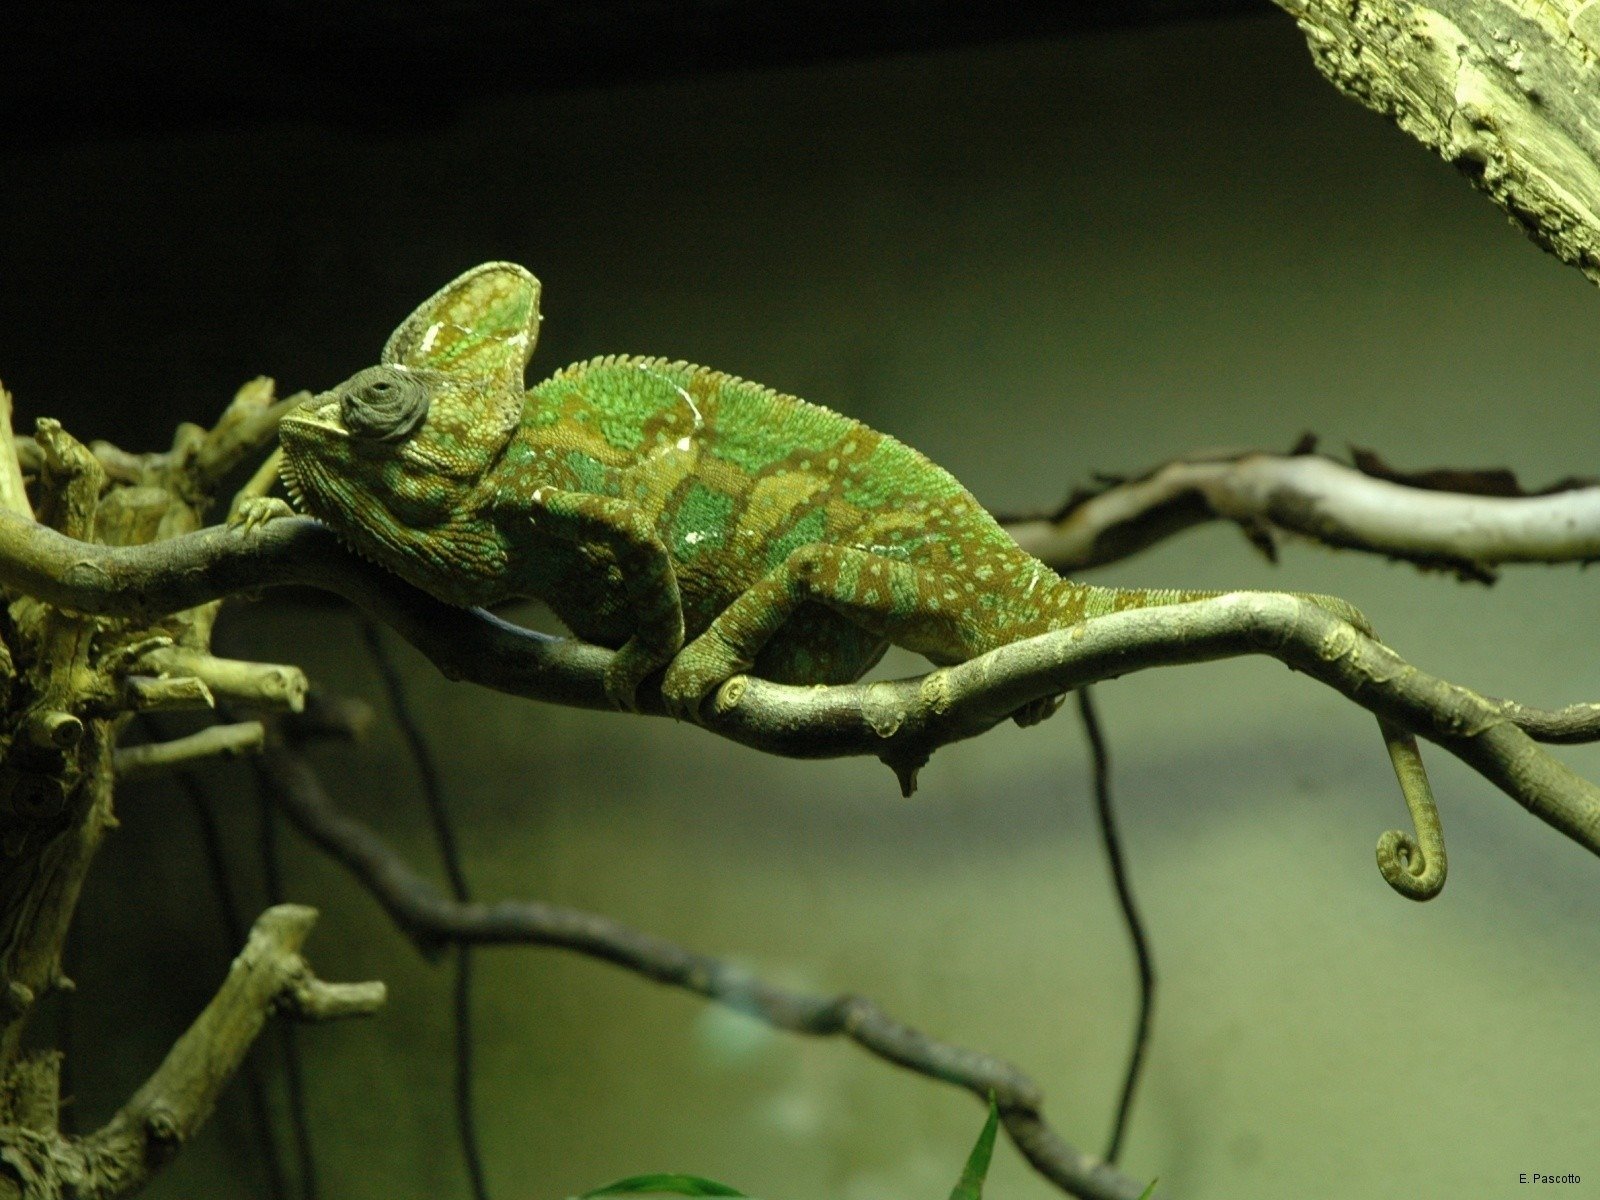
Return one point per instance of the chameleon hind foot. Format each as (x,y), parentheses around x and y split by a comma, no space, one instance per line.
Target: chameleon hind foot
(696,673)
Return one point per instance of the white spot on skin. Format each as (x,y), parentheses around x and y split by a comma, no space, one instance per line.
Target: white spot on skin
(699,421)
(431,336)
(1034,576)
(693,539)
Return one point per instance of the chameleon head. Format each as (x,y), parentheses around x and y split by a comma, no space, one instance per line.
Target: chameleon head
(397,458)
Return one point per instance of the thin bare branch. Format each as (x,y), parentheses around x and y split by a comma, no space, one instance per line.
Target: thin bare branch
(13,495)
(150,693)
(1326,501)
(433,920)
(276,686)
(268,976)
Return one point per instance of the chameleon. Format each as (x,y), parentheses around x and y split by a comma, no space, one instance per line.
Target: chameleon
(698,524)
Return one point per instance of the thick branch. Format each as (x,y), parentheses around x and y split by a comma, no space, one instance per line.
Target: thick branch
(1504,89)
(901,722)
(268,975)
(432,918)
(1315,497)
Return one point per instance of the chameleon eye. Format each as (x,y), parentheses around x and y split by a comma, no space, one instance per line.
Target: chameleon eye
(382,404)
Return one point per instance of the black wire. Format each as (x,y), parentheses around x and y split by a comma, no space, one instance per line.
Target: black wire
(450,853)
(293,1071)
(233,930)
(1130,914)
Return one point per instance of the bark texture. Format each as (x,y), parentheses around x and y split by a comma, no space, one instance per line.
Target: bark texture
(1507,90)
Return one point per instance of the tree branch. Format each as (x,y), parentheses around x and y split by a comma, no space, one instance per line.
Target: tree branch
(265,685)
(433,920)
(1340,506)
(900,722)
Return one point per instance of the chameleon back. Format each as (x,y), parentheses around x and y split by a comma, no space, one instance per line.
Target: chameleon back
(736,477)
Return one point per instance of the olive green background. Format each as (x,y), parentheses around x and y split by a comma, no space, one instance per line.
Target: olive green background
(1034,262)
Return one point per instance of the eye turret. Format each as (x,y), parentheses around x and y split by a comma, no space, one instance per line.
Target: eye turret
(382,404)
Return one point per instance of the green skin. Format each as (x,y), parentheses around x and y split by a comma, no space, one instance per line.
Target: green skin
(689,519)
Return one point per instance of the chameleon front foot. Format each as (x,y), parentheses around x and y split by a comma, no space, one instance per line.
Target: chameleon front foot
(256,511)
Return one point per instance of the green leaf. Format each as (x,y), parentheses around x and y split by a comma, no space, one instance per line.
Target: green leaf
(970,1185)
(668,1185)
(1149,1191)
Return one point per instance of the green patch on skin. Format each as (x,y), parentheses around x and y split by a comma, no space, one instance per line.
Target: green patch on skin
(538,411)
(849,576)
(810,528)
(904,595)
(702,521)
(892,472)
(493,322)
(753,431)
(589,472)
(618,399)
(626,396)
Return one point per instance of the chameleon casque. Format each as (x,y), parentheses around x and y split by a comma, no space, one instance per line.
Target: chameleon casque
(689,519)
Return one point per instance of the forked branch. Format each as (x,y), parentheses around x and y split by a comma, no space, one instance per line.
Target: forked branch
(268,976)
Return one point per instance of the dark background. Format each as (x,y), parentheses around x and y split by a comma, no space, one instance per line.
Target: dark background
(213,188)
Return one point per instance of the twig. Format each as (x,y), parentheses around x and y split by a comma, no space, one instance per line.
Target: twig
(433,919)
(13,495)
(214,741)
(276,686)
(901,722)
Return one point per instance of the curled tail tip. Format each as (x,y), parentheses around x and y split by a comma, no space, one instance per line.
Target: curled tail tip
(1413,865)
(1407,870)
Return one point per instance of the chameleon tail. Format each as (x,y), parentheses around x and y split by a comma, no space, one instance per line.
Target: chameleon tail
(1413,865)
